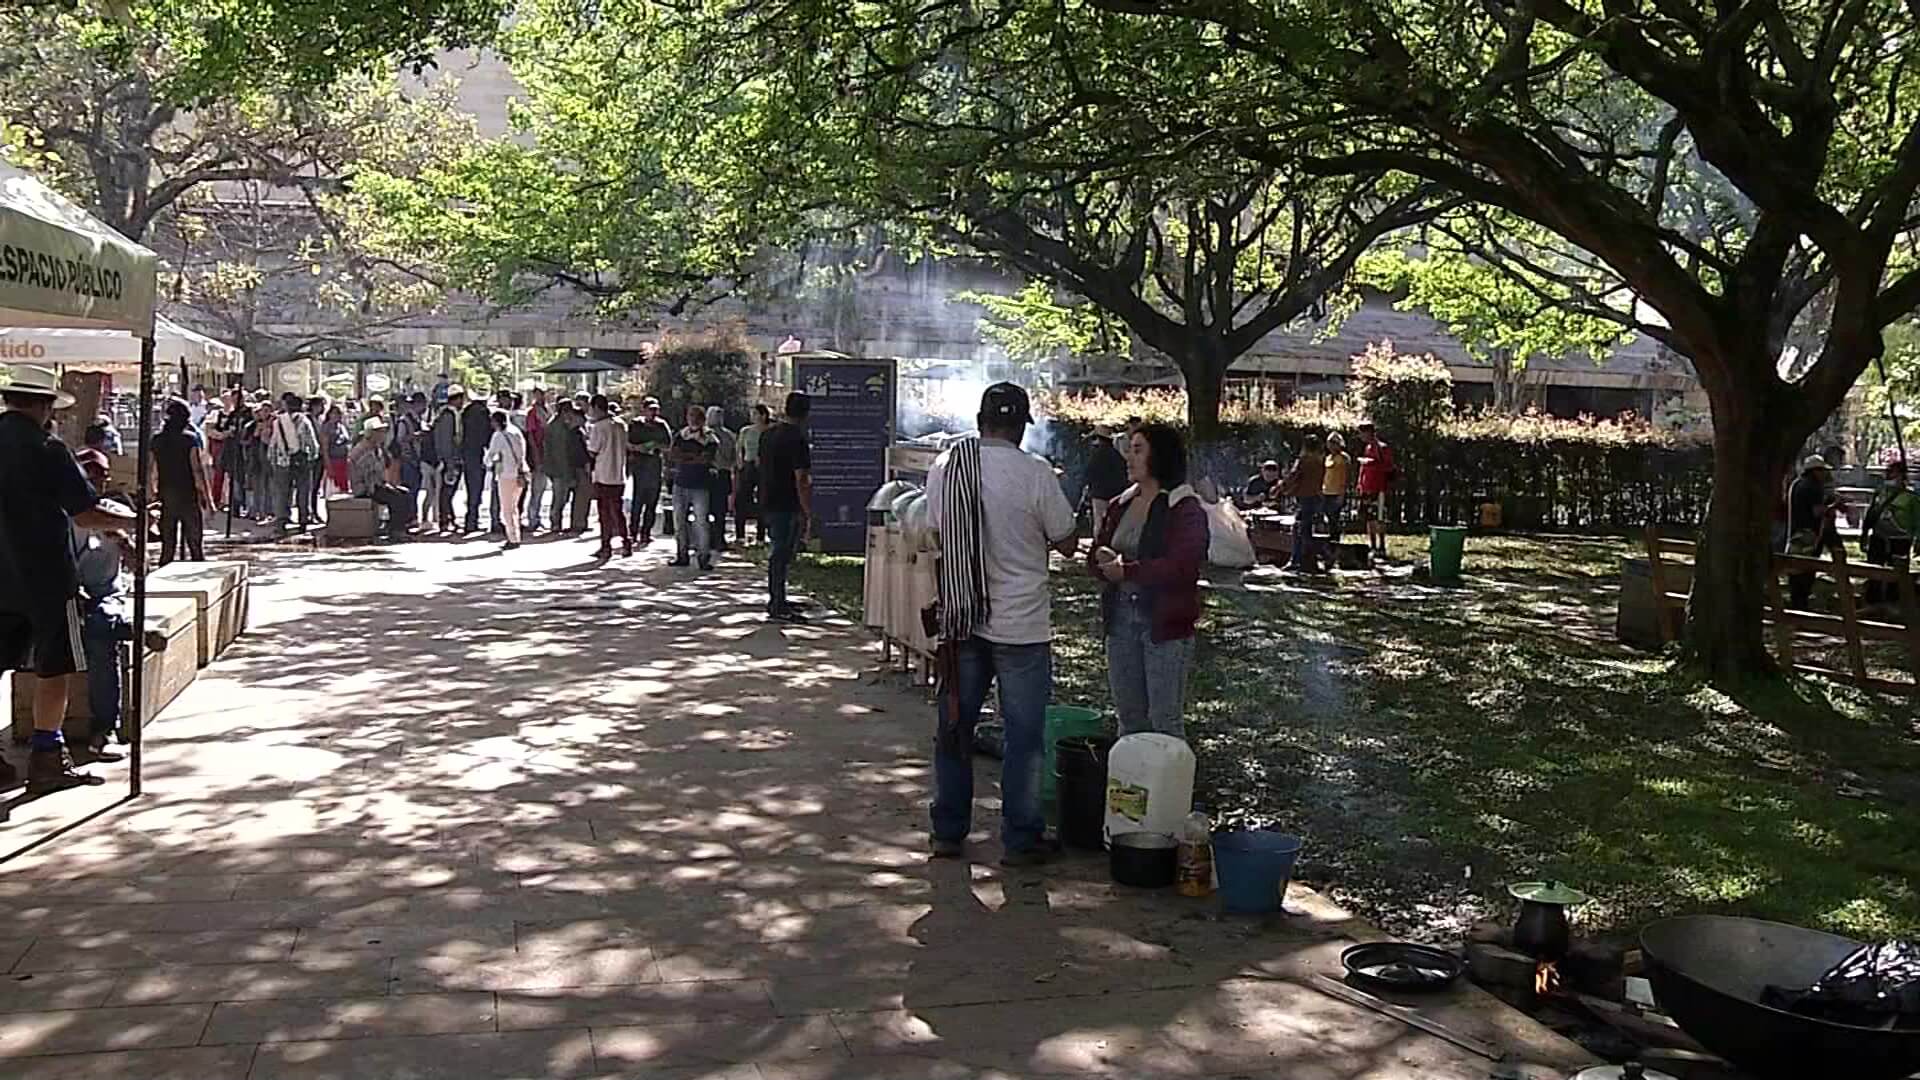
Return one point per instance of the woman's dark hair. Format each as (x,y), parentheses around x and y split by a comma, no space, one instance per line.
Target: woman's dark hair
(763,411)
(500,419)
(178,417)
(598,401)
(1166,455)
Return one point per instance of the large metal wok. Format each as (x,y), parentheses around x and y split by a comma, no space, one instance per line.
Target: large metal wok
(1708,972)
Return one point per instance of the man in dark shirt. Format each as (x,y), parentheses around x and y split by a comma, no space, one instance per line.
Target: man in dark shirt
(476,431)
(786,498)
(43,495)
(1263,489)
(180,477)
(1811,505)
(1106,474)
(692,455)
(648,439)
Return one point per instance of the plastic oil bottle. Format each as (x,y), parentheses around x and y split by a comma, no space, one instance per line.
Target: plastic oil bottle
(1194,856)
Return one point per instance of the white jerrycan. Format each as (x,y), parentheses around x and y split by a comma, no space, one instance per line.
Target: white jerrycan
(1149,784)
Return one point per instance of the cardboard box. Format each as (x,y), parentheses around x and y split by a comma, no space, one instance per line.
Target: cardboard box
(349,518)
(219,589)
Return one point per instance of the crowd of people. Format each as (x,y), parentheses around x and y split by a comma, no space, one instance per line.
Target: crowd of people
(508,464)
(65,556)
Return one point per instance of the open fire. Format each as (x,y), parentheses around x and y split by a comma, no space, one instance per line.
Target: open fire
(1546,978)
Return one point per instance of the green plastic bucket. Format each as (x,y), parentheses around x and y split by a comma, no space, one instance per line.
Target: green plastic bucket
(1064,722)
(1446,546)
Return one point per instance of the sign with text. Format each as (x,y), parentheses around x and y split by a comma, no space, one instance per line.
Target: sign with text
(850,429)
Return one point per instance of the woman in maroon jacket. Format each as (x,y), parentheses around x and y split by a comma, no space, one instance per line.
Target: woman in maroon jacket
(1149,552)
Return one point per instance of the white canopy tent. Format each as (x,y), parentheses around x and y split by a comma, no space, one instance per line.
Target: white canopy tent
(117,352)
(61,267)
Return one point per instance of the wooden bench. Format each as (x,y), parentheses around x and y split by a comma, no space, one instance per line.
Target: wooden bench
(1849,625)
(220,591)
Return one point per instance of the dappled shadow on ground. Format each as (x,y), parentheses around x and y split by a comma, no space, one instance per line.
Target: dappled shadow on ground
(1434,742)
(1496,731)
(615,806)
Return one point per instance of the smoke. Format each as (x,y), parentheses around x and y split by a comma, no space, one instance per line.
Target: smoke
(939,405)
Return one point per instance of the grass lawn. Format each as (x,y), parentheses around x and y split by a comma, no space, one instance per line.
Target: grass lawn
(1433,744)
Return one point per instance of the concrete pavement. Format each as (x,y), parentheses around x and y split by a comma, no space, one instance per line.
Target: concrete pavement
(447,812)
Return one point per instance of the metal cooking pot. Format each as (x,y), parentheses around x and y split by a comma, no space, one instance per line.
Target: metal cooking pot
(1708,972)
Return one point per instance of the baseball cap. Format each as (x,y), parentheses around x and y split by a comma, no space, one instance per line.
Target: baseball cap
(1814,461)
(652,403)
(1007,403)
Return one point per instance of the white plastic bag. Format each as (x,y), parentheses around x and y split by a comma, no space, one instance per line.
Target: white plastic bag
(1228,545)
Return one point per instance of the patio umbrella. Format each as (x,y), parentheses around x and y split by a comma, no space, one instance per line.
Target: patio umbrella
(360,356)
(592,363)
(583,364)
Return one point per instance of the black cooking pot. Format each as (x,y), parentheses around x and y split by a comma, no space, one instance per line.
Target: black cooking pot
(1144,860)
(1708,972)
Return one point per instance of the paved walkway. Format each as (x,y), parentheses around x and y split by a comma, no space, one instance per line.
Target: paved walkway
(455,814)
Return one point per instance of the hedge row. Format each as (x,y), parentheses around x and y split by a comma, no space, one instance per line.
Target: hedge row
(1545,471)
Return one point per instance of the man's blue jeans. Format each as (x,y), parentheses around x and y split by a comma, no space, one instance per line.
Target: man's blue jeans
(1306,513)
(783,530)
(1025,676)
(102,630)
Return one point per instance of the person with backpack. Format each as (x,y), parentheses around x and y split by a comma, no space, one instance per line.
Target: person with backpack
(564,462)
(1377,474)
(407,445)
(293,453)
(444,442)
(336,440)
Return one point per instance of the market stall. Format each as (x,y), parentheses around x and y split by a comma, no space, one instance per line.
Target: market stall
(116,353)
(61,268)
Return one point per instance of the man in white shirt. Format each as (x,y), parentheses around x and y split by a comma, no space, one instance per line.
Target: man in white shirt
(1022,515)
(607,446)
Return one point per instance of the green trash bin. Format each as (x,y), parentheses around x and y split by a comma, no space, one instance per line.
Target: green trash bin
(1064,722)
(1446,545)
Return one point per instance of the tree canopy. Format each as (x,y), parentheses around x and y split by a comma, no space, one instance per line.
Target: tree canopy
(217,46)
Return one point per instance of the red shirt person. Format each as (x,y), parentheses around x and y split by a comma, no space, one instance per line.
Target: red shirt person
(1377,473)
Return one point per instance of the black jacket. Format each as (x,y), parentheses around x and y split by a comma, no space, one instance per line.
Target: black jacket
(1106,471)
(476,429)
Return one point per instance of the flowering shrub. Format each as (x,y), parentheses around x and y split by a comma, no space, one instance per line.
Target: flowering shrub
(1545,471)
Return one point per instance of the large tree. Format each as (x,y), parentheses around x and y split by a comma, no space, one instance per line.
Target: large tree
(249,196)
(1596,122)
(669,145)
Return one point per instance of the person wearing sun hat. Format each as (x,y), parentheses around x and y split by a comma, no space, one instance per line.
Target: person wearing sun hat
(43,496)
(1812,503)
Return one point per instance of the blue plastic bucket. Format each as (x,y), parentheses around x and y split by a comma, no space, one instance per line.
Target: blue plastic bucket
(1254,868)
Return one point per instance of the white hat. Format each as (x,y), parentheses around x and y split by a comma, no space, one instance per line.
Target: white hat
(1814,461)
(456,390)
(373,423)
(40,382)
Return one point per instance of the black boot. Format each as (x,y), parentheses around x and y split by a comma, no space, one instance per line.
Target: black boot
(52,770)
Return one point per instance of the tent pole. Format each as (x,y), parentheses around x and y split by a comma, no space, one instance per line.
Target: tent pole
(133,708)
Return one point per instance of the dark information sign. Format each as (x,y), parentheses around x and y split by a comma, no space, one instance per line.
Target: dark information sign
(851,428)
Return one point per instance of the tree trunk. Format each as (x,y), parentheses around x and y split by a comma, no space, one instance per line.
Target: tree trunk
(1206,382)
(1751,459)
